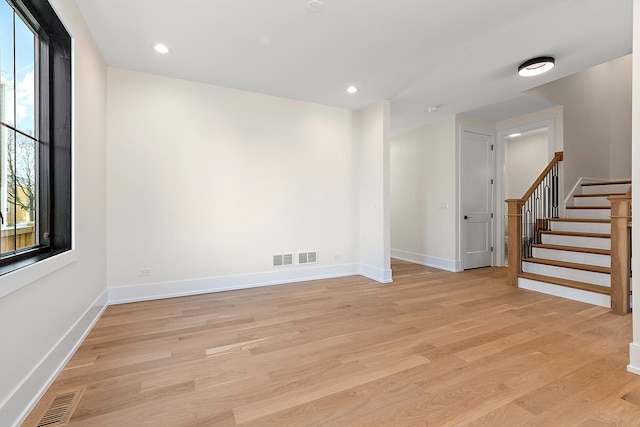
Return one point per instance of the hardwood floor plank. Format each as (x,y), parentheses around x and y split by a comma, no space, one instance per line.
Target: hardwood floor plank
(431,348)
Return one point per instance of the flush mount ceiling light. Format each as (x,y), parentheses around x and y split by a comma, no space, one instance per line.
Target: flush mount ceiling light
(352,89)
(536,66)
(160,48)
(315,6)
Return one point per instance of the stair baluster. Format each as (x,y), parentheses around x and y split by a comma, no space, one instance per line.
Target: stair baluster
(528,216)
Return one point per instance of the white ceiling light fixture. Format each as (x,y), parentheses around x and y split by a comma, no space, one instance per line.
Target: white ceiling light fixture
(515,135)
(352,89)
(536,66)
(315,6)
(432,109)
(160,48)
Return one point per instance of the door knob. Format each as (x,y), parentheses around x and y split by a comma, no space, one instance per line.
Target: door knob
(467,217)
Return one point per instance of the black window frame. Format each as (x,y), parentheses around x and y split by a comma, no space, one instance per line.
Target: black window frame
(54,121)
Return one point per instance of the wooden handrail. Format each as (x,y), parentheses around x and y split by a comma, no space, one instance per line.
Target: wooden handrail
(557,158)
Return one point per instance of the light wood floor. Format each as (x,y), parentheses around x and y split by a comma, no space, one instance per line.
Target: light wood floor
(432,348)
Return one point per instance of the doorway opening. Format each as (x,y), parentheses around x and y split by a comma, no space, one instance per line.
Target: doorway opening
(524,153)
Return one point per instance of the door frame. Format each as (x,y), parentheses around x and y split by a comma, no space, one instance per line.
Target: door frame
(499,162)
(460,224)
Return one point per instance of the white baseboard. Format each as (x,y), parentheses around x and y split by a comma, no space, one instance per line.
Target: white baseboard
(16,408)
(378,274)
(151,291)
(426,260)
(634,358)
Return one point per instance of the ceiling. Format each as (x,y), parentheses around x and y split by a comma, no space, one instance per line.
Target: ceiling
(458,55)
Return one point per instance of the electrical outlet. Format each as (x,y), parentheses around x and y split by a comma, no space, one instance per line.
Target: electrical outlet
(144,272)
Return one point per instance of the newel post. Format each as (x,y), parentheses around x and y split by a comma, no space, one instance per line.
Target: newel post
(514,239)
(620,253)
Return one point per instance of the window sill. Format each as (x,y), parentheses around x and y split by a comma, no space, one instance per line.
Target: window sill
(21,277)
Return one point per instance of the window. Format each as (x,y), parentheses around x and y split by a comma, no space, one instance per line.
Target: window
(35,133)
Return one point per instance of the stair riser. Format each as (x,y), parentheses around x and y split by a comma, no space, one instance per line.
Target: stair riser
(567,273)
(581,227)
(589,213)
(564,292)
(579,241)
(569,256)
(605,189)
(591,201)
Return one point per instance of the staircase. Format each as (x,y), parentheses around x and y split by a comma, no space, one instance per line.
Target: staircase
(572,258)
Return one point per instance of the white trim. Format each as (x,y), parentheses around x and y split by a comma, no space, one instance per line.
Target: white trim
(426,260)
(374,273)
(568,201)
(634,358)
(151,291)
(21,277)
(499,166)
(26,395)
(461,130)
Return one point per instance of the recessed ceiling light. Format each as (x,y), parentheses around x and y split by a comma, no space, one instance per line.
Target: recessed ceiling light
(315,6)
(160,48)
(515,135)
(352,89)
(536,66)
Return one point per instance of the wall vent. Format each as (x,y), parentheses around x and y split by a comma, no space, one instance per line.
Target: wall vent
(283,260)
(308,257)
(277,261)
(288,259)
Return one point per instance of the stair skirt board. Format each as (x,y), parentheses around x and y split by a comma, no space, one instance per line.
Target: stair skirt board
(571,256)
(605,189)
(589,213)
(592,277)
(564,292)
(583,227)
(579,241)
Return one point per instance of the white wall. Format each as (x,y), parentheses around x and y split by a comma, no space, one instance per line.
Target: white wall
(373,169)
(634,347)
(525,158)
(39,316)
(597,120)
(423,195)
(206,183)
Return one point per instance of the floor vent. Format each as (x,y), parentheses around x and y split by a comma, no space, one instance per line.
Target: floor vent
(61,408)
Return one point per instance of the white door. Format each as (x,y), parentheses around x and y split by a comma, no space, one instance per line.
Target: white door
(477,199)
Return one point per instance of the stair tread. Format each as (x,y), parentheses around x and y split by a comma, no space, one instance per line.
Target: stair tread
(588,207)
(612,182)
(599,195)
(577,234)
(605,290)
(573,249)
(566,264)
(598,221)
